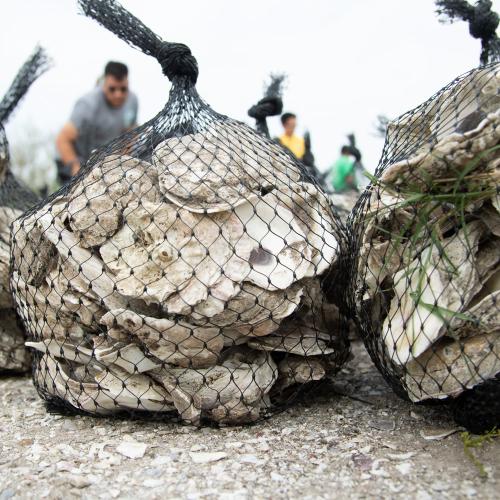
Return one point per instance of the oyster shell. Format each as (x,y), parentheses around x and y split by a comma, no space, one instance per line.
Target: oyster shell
(300,370)
(427,295)
(220,169)
(255,312)
(232,392)
(95,204)
(176,343)
(451,366)
(197,174)
(295,339)
(450,156)
(102,391)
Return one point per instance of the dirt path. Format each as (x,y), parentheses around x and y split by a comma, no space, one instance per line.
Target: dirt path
(335,447)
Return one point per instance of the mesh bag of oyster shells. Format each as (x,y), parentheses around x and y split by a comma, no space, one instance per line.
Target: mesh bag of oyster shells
(15,198)
(184,272)
(426,235)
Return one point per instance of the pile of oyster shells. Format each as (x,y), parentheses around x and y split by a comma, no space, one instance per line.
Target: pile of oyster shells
(188,283)
(429,270)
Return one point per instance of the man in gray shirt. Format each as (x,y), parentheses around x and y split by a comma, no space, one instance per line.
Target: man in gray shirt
(97,118)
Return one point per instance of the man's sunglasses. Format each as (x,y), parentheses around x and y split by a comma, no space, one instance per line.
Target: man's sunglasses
(113,89)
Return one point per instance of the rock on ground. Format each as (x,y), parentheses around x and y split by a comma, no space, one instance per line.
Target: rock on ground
(356,439)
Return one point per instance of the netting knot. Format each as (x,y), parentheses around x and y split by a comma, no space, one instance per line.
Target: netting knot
(268,106)
(176,60)
(484,21)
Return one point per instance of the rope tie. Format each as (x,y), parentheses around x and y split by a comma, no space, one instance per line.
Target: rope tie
(268,106)
(176,60)
(483,22)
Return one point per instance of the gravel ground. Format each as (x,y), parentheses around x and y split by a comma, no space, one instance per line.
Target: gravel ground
(356,440)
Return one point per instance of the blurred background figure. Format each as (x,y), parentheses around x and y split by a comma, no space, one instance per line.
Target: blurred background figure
(309,162)
(343,176)
(295,144)
(360,173)
(98,117)
(346,177)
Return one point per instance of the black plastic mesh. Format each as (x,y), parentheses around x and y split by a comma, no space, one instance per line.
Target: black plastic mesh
(15,198)
(426,252)
(187,271)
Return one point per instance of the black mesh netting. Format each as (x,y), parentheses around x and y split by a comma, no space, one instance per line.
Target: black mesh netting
(188,269)
(15,198)
(426,241)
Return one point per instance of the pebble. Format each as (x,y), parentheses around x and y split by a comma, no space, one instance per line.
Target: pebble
(263,446)
(153,483)
(78,481)
(277,477)
(404,468)
(131,449)
(231,445)
(25,442)
(250,459)
(416,415)
(155,472)
(383,424)
(439,486)
(470,491)
(423,495)
(63,466)
(376,463)
(363,462)
(437,434)
(380,473)
(396,488)
(198,447)
(401,456)
(162,460)
(207,457)
(391,446)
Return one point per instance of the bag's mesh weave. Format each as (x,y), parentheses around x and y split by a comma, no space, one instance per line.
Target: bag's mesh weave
(426,241)
(186,271)
(15,198)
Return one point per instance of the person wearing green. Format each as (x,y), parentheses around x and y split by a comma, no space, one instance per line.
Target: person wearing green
(342,172)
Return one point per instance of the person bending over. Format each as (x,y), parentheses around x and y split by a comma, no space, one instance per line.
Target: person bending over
(343,173)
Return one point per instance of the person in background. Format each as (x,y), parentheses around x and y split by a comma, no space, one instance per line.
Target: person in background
(289,140)
(342,172)
(98,117)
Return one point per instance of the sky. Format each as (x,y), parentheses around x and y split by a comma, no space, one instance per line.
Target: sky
(346,61)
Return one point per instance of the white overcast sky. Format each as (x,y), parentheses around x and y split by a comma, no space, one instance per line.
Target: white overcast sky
(346,60)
